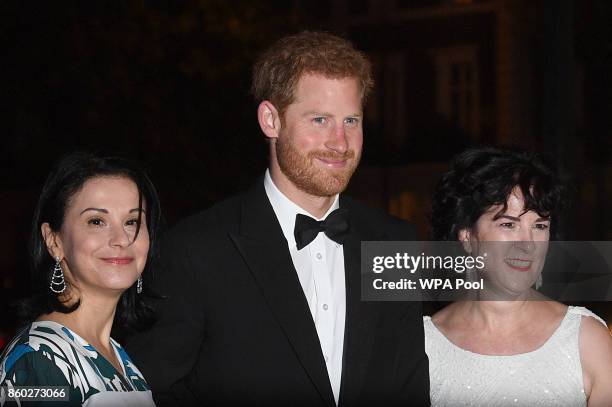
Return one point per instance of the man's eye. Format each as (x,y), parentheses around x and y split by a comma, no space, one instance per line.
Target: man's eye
(320,120)
(95,222)
(351,121)
(507,225)
(541,226)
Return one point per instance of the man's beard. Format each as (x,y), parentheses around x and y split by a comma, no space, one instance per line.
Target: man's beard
(301,170)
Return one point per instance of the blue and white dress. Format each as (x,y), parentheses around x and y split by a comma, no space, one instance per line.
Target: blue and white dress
(46,353)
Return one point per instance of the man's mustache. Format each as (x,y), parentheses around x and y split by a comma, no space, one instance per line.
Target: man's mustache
(330,155)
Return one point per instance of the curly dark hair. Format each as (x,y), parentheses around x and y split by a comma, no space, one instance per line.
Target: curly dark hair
(482,177)
(65,180)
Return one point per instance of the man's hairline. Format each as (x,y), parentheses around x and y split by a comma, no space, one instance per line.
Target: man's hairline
(283,110)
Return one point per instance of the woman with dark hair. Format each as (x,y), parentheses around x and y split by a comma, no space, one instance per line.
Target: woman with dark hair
(510,345)
(93,238)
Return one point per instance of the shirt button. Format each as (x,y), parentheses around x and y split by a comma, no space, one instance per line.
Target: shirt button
(325,307)
(319,256)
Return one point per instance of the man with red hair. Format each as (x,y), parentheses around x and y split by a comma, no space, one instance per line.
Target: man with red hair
(263,290)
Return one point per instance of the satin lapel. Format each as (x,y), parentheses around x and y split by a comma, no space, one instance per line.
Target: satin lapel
(264,249)
(361,317)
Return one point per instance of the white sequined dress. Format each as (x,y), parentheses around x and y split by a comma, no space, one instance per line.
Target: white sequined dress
(548,376)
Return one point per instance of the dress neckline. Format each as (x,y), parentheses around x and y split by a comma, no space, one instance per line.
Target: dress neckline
(85,345)
(523,354)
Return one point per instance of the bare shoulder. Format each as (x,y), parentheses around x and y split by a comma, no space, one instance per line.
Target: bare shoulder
(595,338)
(595,344)
(596,359)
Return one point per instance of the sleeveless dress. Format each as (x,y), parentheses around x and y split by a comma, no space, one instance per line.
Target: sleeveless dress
(548,376)
(46,353)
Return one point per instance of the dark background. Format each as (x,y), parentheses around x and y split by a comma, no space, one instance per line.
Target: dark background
(166,83)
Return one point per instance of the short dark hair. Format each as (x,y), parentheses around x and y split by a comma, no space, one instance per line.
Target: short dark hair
(65,180)
(278,70)
(479,178)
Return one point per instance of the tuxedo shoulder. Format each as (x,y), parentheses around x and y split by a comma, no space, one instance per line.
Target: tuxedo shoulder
(396,228)
(217,218)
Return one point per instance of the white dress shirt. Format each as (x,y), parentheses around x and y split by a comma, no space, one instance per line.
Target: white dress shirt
(320,269)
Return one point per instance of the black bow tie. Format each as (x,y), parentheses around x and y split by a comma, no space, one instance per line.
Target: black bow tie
(334,226)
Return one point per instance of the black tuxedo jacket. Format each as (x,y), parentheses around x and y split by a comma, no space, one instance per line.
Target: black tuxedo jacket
(235,328)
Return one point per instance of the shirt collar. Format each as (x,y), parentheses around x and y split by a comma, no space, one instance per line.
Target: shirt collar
(286,210)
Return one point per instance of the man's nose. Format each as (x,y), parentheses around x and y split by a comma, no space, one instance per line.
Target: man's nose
(337,140)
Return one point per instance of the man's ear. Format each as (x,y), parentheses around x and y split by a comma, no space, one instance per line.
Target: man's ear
(52,240)
(269,119)
(464,237)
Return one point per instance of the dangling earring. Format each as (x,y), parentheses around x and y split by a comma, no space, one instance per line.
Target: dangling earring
(57,285)
(139,285)
(538,282)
